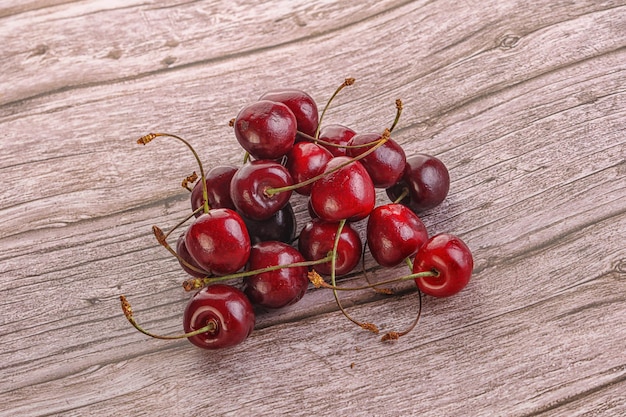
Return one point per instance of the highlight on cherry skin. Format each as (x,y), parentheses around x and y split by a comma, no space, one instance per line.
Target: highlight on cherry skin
(243,253)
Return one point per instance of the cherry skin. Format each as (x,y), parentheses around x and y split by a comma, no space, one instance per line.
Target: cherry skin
(181,250)
(280,227)
(306,160)
(347,193)
(337,134)
(317,239)
(248,186)
(385,165)
(427,180)
(450,257)
(218,189)
(394,233)
(302,106)
(279,288)
(224,307)
(218,241)
(266,129)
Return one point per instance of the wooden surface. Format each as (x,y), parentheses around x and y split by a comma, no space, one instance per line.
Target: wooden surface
(525,102)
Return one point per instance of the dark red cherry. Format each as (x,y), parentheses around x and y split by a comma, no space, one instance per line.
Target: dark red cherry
(218,241)
(337,134)
(181,250)
(427,180)
(226,309)
(301,104)
(450,257)
(249,185)
(266,129)
(317,239)
(280,227)
(347,193)
(218,189)
(385,165)
(279,288)
(394,233)
(306,160)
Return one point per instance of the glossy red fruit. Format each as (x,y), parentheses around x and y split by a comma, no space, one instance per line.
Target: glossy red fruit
(427,180)
(181,250)
(301,104)
(347,193)
(317,239)
(281,227)
(249,185)
(224,307)
(279,288)
(218,189)
(451,258)
(337,134)
(266,129)
(218,241)
(385,165)
(306,160)
(394,233)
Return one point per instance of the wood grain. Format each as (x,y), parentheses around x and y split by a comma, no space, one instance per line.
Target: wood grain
(525,104)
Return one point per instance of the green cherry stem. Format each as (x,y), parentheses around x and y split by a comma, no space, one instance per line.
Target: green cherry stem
(399,108)
(162,239)
(346,83)
(409,277)
(391,336)
(211,326)
(405,192)
(150,136)
(385,137)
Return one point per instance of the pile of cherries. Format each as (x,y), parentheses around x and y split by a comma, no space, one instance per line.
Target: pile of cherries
(241,248)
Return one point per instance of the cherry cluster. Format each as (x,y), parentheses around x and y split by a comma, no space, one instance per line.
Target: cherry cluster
(241,248)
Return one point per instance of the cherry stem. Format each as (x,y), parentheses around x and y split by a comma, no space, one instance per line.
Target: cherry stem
(398,113)
(336,145)
(405,192)
(376,144)
(128,312)
(367,326)
(150,136)
(162,239)
(346,82)
(409,277)
(193,284)
(385,291)
(391,336)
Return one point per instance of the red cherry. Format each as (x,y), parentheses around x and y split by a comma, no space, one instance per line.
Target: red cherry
(306,160)
(317,239)
(225,308)
(181,250)
(385,165)
(218,241)
(218,189)
(347,193)
(248,186)
(336,134)
(266,129)
(281,227)
(450,258)
(427,180)
(394,233)
(301,104)
(279,288)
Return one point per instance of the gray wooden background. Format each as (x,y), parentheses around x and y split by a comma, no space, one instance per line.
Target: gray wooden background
(524,101)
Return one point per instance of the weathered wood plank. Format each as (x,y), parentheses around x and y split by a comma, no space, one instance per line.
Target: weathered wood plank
(525,104)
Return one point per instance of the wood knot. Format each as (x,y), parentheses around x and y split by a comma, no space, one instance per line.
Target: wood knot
(508,41)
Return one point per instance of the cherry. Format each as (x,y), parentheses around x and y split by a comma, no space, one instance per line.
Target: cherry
(183,253)
(451,260)
(306,160)
(280,227)
(394,233)
(338,135)
(281,287)
(225,311)
(218,241)
(249,185)
(218,189)
(385,165)
(347,193)
(266,129)
(301,104)
(317,239)
(427,180)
